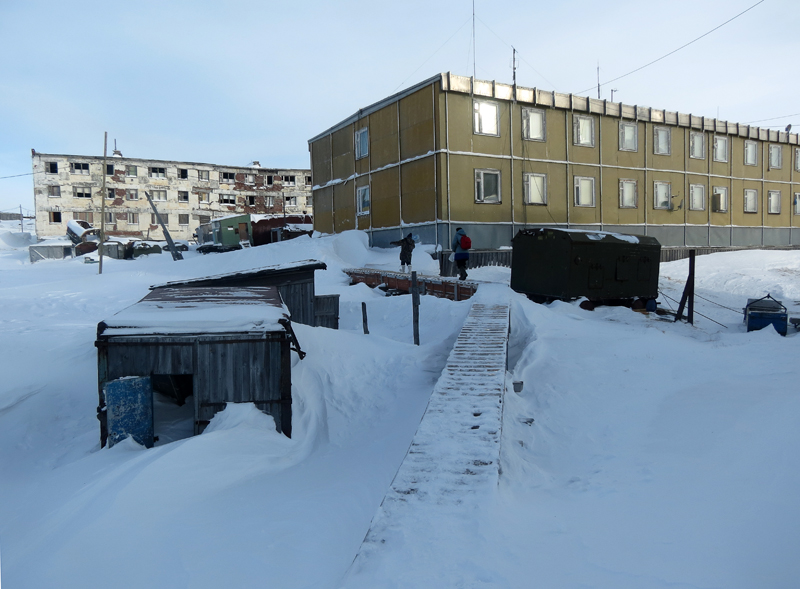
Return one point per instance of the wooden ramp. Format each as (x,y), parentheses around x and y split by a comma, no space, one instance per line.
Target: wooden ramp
(452,464)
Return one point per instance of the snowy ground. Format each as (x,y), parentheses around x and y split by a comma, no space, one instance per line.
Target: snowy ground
(640,453)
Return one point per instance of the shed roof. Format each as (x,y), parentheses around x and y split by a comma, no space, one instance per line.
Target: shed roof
(200,310)
(277,271)
(584,235)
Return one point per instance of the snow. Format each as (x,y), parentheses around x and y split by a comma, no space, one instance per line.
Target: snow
(599,235)
(639,453)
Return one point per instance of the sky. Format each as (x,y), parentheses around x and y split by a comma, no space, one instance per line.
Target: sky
(229,83)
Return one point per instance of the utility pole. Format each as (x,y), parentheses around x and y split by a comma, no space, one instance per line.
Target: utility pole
(21,229)
(103,204)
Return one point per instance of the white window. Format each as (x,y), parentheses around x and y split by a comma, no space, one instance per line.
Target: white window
(202,175)
(203,197)
(133,218)
(797,203)
(719,199)
(362,200)
(750,153)
(250,178)
(227,199)
(797,158)
(661,195)
(584,192)
(485,117)
(79,168)
(362,143)
(487,186)
(158,172)
(54,191)
(111,219)
(288,180)
(661,141)
(131,194)
(697,197)
(158,195)
(51,167)
(183,196)
(775,157)
(82,191)
(628,137)
(131,171)
(533,124)
(583,130)
(183,219)
(774,202)
(290,201)
(720,149)
(228,177)
(750,200)
(535,187)
(697,145)
(627,194)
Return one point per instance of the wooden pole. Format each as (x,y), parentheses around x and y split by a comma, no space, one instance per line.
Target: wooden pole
(415,306)
(688,293)
(364,317)
(103,204)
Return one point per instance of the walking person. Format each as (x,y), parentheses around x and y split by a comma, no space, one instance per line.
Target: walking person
(461,246)
(406,247)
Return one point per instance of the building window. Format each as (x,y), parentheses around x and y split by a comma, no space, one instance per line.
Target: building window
(775,157)
(133,218)
(719,199)
(203,219)
(55,216)
(661,195)
(750,200)
(227,199)
(251,200)
(774,202)
(270,180)
(290,201)
(82,191)
(51,167)
(697,197)
(109,169)
(110,219)
(54,191)
(535,187)
(627,194)
(487,186)
(88,217)
(797,203)
(362,200)
(131,171)
(485,118)
(79,168)
(583,130)
(697,145)
(584,192)
(154,219)
(183,219)
(720,149)
(362,143)
(228,177)
(750,153)
(628,137)
(159,195)
(533,124)
(288,180)
(183,196)
(797,159)
(183,174)
(661,141)
(250,178)
(203,198)
(158,172)
(131,194)
(308,180)
(202,175)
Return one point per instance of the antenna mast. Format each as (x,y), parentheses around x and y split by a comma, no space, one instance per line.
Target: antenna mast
(598,79)
(514,67)
(473,39)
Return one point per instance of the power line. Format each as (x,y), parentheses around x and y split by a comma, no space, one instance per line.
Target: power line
(16,176)
(774,119)
(675,50)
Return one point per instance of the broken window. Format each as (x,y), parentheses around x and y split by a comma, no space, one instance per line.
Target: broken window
(53,191)
(362,143)
(154,219)
(51,167)
(584,191)
(661,141)
(269,201)
(750,200)
(720,149)
(183,219)
(158,195)
(535,188)
(697,145)
(533,124)
(627,194)
(203,197)
(131,194)
(88,217)
(628,137)
(485,117)
(227,199)
(250,178)
(111,193)
(291,201)
(131,171)
(487,186)
(204,219)
(308,180)
(202,175)
(719,199)
(183,173)
(251,200)
(76,168)
(228,177)
(774,202)
(662,191)
(288,180)
(697,197)
(158,172)
(183,196)
(110,219)
(362,200)
(109,169)
(270,179)
(82,191)
(750,153)
(55,216)
(133,218)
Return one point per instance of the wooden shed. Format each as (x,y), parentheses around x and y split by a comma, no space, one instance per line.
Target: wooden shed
(213,344)
(295,282)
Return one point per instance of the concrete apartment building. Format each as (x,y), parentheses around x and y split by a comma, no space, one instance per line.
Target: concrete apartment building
(494,158)
(186,194)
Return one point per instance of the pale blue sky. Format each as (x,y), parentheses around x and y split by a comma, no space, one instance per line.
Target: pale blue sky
(238,81)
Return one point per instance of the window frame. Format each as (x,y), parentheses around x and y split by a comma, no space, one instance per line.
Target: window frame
(129,169)
(160,192)
(576,192)
(227,199)
(526,125)
(203,197)
(360,192)
(164,217)
(183,173)
(227,177)
(78,168)
(156,172)
(481,198)
(251,200)
(797,203)
(112,192)
(477,118)
(797,159)
(51,188)
(308,180)
(754,145)
(656,184)
(754,193)
(526,188)
(622,204)
(203,176)
(289,180)
(576,134)
(692,189)
(131,191)
(770,196)
(49,167)
(719,190)
(723,139)
(775,148)
(657,129)
(361,143)
(83,190)
(183,196)
(693,135)
(180,222)
(51,217)
(133,218)
(635,127)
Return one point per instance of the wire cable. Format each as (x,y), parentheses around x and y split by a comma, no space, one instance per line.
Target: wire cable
(674,50)
(773,118)
(695,311)
(16,176)
(716,303)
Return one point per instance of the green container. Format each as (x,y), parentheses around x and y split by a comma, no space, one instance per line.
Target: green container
(551,263)
(232,230)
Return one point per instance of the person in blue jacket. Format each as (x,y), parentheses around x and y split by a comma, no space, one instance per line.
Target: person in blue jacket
(461,255)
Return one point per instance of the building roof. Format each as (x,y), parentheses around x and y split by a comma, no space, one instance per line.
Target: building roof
(277,271)
(200,310)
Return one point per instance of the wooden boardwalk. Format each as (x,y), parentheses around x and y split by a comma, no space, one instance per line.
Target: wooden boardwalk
(439,286)
(452,464)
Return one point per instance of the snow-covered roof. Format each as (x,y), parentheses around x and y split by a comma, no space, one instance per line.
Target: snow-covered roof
(600,235)
(200,310)
(262,271)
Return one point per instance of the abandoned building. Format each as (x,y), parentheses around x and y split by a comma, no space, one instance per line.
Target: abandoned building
(186,194)
(204,346)
(494,158)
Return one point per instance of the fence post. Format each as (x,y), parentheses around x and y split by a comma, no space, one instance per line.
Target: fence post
(415,306)
(364,317)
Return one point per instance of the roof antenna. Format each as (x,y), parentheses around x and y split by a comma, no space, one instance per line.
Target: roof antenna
(598,79)
(473,39)
(514,68)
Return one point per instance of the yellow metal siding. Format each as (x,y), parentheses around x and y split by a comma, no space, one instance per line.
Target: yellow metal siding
(323,210)
(344,203)
(462,190)
(321,161)
(613,214)
(343,156)
(584,215)
(416,124)
(675,159)
(383,137)
(419,190)
(580,153)
(385,199)
(555,211)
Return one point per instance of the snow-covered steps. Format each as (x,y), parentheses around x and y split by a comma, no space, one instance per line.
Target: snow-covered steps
(452,464)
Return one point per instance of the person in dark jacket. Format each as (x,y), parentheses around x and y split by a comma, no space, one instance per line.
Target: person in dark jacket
(406,247)
(461,255)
